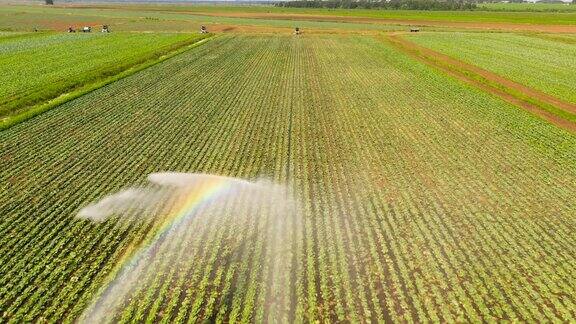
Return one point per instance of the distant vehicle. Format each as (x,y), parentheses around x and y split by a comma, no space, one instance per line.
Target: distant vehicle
(105,29)
(414,29)
(203,30)
(297,31)
(87,29)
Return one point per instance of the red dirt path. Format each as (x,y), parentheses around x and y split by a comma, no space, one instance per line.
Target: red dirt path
(407,22)
(455,68)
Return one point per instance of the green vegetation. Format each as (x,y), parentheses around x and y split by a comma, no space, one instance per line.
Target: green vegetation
(70,62)
(423,199)
(511,13)
(384,5)
(543,63)
(563,38)
(543,18)
(188,18)
(534,7)
(23,18)
(9,35)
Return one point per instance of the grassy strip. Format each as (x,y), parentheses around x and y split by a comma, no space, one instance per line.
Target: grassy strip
(38,109)
(527,7)
(553,37)
(16,104)
(518,94)
(495,85)
(169,11)
(472,16)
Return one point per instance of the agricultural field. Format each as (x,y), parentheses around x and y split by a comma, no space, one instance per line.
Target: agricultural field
(61,63)
(405,194)
(541,61)
(272,19)
(528,7)
(8,35)
(494,13)
(19,18)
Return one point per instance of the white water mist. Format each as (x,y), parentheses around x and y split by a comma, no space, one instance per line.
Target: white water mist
(247,215)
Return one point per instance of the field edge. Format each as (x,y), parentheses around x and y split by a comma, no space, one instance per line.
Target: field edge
(543,106)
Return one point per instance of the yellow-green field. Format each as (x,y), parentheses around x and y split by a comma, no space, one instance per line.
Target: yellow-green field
(261,176)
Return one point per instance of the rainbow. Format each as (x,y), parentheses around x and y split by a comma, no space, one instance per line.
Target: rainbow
(204,189)
(208,190)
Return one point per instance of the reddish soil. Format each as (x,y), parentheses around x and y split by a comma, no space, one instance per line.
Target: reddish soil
(370,20)
(463,71)
(407,22)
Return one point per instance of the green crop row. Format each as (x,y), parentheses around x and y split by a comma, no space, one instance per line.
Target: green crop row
(543,62)
(39,68)
(419,198)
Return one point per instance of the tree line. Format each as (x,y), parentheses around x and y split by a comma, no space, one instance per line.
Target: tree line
(391,4)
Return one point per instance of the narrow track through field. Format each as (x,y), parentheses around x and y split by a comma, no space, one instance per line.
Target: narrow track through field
(421,198)
(526,97)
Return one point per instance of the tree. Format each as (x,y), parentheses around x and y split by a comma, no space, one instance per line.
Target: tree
(49,2)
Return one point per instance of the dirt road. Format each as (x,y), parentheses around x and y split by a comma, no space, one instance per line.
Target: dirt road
(512,92)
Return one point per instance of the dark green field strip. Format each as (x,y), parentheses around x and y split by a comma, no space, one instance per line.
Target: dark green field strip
(422,199)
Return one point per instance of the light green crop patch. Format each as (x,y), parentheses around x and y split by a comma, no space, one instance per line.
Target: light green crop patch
(37,68)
